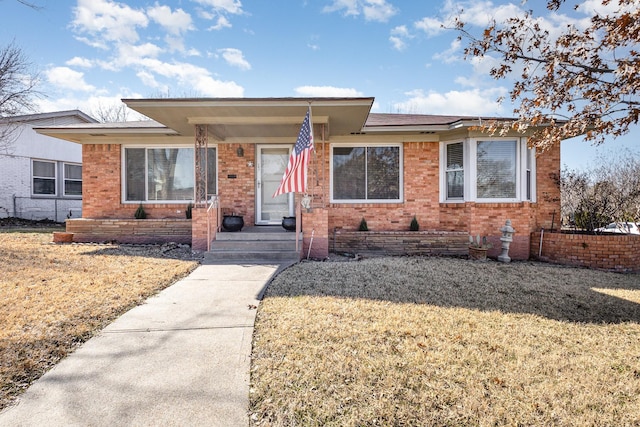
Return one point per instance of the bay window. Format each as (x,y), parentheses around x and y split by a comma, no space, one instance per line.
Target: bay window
(155,174)
(487,170)
(366,173)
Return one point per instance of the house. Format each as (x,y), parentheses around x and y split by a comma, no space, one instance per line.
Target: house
(41,175)
(385,168)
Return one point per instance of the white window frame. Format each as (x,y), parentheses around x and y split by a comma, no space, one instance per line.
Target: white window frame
(365,145)
(55,178)
(525,162)
(65,179)
(123,172)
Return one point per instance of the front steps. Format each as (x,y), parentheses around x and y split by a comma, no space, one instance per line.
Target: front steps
(260,244)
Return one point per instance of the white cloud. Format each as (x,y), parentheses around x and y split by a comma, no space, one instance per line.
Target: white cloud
(191,77)
(220,24)
(176,22)
(453,54)
(66,78)
(398,36)
(88,105)
(474,102)
(77,61)
(373,10)
(223,6)
(108,20)
(430,26)
(328,91)
(235,58)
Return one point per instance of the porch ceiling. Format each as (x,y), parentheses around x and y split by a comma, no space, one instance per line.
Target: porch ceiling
(230,118)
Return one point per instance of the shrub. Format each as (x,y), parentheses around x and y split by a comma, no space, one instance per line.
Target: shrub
(414,226)
(140,213)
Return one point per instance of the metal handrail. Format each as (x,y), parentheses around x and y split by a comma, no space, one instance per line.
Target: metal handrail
(214,201)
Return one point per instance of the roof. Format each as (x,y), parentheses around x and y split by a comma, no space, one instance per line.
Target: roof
(264,119)
(54,117)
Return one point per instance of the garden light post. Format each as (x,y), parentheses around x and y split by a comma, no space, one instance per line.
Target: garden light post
(506,239)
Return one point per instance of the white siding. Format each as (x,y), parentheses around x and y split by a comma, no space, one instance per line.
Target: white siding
(16,199)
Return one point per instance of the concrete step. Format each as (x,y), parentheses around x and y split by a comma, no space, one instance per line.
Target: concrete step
(278,256)
(254,244)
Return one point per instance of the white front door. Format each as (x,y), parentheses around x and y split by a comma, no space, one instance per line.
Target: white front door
(271,163)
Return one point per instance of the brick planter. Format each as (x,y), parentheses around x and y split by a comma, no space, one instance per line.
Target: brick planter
(62,237)
(401,242)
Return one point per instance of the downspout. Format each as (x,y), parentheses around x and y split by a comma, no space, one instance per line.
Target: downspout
(541,237)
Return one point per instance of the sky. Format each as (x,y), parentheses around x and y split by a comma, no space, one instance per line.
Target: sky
(92,53)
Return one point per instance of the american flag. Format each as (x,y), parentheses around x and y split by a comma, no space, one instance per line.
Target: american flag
(295,177)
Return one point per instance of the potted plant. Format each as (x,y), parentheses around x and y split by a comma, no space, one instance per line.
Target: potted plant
(289,223)
(478,248)
(363,225)
(232,222)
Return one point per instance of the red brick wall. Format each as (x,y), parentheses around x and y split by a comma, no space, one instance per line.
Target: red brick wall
(102,187)
(204,224)
(237,195)
(619,253)
(315,225)
(130,230)
(421,195)
(236,189)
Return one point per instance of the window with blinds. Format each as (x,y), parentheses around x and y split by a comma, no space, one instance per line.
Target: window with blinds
(496,169)
(43,178)
(455,171)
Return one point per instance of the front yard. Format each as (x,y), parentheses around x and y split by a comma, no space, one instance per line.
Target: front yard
(382,341)
(437,341)
(54,297)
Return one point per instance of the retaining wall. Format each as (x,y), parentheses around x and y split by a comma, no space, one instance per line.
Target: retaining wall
(606,252)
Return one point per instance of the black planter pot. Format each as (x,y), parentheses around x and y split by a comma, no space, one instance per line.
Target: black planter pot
(289,223)
(232,222)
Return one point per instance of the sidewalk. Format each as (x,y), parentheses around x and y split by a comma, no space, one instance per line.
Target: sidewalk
(180,359)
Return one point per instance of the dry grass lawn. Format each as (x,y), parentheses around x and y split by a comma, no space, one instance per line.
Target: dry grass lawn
(53,297)
(447,342)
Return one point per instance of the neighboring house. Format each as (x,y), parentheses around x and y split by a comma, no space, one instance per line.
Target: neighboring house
(41,175)
(385,168)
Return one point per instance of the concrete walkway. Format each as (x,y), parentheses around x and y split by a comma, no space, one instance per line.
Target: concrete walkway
(180,359)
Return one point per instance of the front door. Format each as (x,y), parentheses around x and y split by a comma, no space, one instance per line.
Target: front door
(271,163)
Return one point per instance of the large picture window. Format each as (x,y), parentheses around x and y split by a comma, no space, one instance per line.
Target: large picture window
(496,170)
(366,173)
(164,174)
(487,170)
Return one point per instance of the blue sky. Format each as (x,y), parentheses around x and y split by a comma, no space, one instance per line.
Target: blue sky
(92,53)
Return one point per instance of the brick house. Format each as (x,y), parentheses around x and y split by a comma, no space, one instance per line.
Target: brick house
(385,168)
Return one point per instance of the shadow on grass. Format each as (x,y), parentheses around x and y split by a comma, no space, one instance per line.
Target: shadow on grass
(166,251)
(555,292)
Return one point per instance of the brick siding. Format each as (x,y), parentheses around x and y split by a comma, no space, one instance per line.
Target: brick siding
(606,252)
(236,189)
(130,231)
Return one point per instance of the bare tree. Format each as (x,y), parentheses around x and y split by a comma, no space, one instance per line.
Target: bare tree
(581,82)
(17,91)
(110,113)
(607,192)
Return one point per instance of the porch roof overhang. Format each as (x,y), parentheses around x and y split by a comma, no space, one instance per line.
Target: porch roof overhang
(227,119)
(233,118)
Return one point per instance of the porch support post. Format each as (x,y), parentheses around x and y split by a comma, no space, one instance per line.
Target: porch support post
(203,220)
(200,154)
